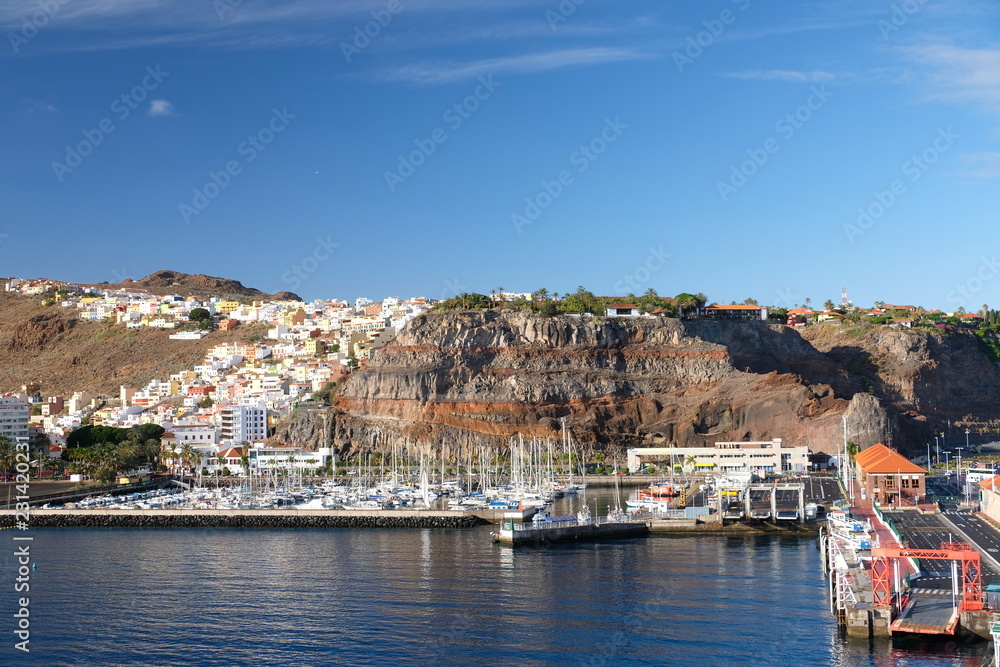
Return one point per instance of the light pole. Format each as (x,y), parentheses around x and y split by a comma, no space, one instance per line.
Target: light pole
(958,478)
(928,456)
(946,464)
(937,449)
(966,438)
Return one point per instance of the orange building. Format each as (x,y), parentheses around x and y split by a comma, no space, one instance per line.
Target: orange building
(889,477)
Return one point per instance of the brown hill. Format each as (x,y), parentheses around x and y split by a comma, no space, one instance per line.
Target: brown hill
(173,282)
(50,346)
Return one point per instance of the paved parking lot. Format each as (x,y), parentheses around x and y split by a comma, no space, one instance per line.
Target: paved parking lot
(928,531)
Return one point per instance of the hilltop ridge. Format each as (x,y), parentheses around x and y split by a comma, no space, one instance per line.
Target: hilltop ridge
(166,281)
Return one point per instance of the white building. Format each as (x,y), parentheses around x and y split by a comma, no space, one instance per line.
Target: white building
(281,458)
(14,419)
(725,457)
(622,310)
(243,423)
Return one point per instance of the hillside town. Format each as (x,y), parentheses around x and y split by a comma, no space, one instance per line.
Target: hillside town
(220,413)
(230,401)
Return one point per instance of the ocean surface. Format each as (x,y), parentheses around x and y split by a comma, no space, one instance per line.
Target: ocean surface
(431,597)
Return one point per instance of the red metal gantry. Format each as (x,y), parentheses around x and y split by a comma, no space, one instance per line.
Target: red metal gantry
(972,580)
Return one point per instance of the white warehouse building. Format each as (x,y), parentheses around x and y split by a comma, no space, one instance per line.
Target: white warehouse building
(768,456)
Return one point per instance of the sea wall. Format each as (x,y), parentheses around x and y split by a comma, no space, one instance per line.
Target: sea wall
(243,519)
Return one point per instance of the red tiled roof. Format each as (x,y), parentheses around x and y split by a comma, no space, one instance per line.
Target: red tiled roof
(621,305)
(734,307)
(881,460)
(990,483)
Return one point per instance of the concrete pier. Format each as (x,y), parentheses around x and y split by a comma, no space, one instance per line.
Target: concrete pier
(574,532)
(273,518)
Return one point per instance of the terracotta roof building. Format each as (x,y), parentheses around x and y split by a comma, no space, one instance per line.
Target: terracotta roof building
(889,477)
(990,497)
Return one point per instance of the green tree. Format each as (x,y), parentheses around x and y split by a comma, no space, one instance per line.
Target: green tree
(7,454)
(548,308)
(651,301)
(829,305)
(686,303)
(582,301)
(199,315)
(206,402)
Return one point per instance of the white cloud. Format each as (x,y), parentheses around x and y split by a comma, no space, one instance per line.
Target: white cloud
(963,76)
(39,107)
(430,73)
(981,165)
(160,108)
(792,76)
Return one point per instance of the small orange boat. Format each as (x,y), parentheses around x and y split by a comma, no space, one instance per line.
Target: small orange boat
(658,490)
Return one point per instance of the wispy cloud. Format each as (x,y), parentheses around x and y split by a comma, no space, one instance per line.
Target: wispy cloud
(441,72)
(36,107)
(959,75)
(981,166)
(792,76)
(160,108)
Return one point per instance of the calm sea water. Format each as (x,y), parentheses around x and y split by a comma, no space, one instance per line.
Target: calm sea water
(431,597)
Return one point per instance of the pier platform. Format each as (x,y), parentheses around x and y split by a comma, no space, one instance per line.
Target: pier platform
(524,534)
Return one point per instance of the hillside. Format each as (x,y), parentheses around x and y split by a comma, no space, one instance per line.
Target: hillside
(173,282)
(474,379)
(52,347)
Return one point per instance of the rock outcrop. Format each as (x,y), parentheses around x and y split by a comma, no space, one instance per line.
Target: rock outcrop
(456,380)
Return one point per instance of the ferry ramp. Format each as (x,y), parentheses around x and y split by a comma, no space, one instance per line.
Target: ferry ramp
(929,613)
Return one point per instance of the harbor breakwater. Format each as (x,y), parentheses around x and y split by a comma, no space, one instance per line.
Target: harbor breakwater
(243,519)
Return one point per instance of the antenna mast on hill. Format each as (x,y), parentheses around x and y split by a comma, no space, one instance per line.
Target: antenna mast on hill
(843,297)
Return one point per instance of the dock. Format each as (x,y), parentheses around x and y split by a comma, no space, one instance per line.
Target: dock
(544,534)
(907,572)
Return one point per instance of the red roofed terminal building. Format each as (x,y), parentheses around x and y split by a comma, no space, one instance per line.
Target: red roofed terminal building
(886,476)
(990,497)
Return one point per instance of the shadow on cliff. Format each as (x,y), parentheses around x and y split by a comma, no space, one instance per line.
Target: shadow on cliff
(761,348)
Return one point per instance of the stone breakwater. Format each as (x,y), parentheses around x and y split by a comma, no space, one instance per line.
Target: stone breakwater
(241,519)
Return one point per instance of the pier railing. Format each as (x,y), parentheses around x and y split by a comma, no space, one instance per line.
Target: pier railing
(567,522)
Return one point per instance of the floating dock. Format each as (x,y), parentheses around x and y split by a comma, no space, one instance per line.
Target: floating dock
(543,534)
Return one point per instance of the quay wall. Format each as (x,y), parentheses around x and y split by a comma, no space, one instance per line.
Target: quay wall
(245,519)
(697,527)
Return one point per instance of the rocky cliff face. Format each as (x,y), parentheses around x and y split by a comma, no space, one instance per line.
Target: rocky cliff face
(453,380)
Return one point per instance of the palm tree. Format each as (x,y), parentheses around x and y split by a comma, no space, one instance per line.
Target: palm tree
(187,453)
(541,294)
(196,457)
(6,454)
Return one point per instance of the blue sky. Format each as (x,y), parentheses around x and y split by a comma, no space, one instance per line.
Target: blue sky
(735,148)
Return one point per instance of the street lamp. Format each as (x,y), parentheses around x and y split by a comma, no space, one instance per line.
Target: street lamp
(959,471)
